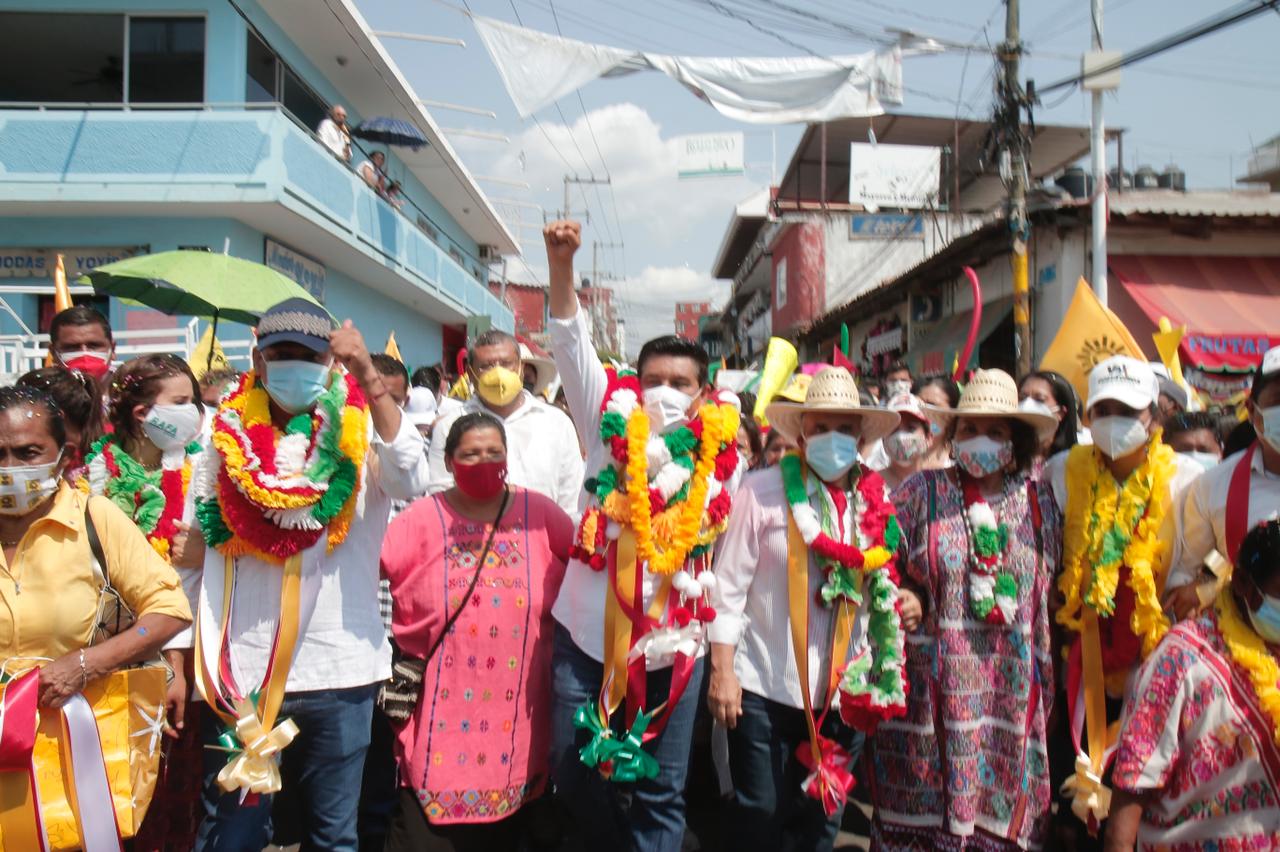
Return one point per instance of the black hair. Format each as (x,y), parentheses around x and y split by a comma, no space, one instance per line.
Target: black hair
(137,382)
(748,401)
(77,397)
(77,315)
(753,437)
(1026,444)
(18,396)
(1260,552)
(1261,382)
(774,435)
(219,376)
(675,347)
(389,366)
(1192,421)
(426,377)
(492,337)
(896,367)
(1239,438)
(467,423)
(1065,396)
(949,387)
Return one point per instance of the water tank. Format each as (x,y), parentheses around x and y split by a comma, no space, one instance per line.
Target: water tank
(1173,178)
(1146,178)
(1076,181)
(1118,178)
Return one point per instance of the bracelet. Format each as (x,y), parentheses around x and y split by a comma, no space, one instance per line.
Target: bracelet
(84,670)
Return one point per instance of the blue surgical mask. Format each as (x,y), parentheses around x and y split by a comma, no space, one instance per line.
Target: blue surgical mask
(831,454)
(1266,621)
(1271,426)
(1205,460)
(296,385)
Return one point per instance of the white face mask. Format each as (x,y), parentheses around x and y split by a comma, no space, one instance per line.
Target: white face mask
(667,407)
(172,427)
(1205,460)
(27,487)
(1117,437)
(1271,426)
(897,387)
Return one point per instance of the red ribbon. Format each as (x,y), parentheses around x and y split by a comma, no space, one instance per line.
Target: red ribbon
(830,781)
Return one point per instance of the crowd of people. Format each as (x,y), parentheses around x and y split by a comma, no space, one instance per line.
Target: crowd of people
(391,619)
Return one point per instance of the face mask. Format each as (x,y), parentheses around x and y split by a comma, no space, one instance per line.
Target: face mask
(904,446)
(27,487)
(897,387)
(172,427)
(1205,460)
(296,385)
(667,407)
(983,456)
(499,386)
(482,480)
(1035,406)
(1117,437)
(831,454)
(1271,426)
(87,361)
(1266,621)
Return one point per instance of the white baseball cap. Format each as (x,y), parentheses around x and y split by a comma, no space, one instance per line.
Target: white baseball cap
(421,408)
(1271,361)
(1126,380)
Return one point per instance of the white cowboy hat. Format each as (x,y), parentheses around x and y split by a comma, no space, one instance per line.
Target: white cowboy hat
(991,394)
(832,391)
(545,367)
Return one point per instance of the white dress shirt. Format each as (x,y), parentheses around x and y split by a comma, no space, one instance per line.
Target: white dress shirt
(542,450)
(751,599)
(580,606)
(333,138)
(344,645)
(1203,514)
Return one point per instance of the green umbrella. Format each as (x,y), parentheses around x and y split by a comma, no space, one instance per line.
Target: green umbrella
(197,283)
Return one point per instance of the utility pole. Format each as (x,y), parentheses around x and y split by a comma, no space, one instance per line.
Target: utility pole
(1014,152)
(586,181)
(599,326)
(1098,146)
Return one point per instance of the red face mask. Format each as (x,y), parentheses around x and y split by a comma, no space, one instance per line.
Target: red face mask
(96,364)
(482,480)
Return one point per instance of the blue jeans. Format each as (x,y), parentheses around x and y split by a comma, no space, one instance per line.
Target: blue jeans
(647,816)
(772,811)
(323,766)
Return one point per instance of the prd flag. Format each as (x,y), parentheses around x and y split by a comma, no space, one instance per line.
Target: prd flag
(392,348)
(1090,333)
(208,355)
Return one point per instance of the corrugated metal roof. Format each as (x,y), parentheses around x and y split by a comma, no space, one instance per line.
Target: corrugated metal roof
(1168,202)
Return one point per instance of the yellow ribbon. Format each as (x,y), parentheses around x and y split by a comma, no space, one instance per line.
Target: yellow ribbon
(255,769)
(1089,796)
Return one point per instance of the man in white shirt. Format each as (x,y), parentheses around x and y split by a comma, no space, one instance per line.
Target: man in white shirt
(305,577)
(542,448)
(334,133)
(756,684)
(1211,505)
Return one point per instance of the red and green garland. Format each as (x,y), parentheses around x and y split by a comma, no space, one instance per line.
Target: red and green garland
(993,590)
(154,499)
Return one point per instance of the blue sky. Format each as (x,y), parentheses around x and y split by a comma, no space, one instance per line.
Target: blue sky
(1201,106)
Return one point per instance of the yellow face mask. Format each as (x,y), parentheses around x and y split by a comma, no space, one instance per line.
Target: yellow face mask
(499,386)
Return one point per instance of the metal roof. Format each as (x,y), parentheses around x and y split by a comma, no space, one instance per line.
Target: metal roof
(337,40)
(1169,202)
(744,224)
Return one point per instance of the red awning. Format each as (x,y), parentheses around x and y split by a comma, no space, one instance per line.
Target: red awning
(1230,305)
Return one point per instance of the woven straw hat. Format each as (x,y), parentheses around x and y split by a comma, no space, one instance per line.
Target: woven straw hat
(832,391)
(992,394)
(545,367)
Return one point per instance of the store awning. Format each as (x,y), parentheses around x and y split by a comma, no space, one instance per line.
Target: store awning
(1230,305)
(936,352)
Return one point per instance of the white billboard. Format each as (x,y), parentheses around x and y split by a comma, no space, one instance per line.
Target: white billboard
(893,176)
(709,155)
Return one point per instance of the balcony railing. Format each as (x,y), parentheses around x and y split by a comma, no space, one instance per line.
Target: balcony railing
(223,153)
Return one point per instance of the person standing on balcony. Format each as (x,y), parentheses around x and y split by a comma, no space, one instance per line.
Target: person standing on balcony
(335,134)
(80,339)
(371,172)
(542,447)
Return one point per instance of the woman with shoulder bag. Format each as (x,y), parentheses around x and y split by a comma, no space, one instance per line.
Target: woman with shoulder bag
(50,601)
(474,572)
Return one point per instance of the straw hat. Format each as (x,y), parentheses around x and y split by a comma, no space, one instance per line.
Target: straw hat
(832,391)
(545,368)
(991,394)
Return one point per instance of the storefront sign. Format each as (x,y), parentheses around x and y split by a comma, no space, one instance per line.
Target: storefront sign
(901,176)
(39,262)
(1226,351)
(885,226)
(310,274)
(709,155)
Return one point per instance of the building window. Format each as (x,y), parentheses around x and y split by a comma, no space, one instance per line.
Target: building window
(780,284)
(262,79)
(166,60)
(269,80)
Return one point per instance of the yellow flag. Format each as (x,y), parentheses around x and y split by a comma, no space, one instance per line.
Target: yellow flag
(61,292)
(780,362)
(1090,333)
(461,388)
(392,349)
(208,355)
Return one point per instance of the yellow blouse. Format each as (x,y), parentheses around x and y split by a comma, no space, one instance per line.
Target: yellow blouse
(49,596)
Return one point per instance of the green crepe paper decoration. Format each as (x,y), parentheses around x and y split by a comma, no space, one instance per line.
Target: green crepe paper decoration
(983,607)
(299,424)
(841,582)
(212,527)
(1006,585)
(624,760)
(612,425)
(680,443)
(989,542)
(606,482)
(844,338)
(892,534)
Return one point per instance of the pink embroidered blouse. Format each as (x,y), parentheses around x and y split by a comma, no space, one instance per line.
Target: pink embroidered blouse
(477,745)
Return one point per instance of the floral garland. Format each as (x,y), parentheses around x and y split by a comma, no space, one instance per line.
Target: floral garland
(1104,530)
(1250,653)
(873,687)
(154,499)
(687,504)
(993,591)
(274,495)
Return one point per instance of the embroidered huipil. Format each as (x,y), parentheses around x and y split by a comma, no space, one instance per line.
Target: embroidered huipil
(967,767)
(1194,735)
(477,745)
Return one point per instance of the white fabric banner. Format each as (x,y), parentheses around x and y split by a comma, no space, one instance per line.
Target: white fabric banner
(539,68)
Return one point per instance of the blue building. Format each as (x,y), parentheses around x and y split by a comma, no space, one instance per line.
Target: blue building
(164,124)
